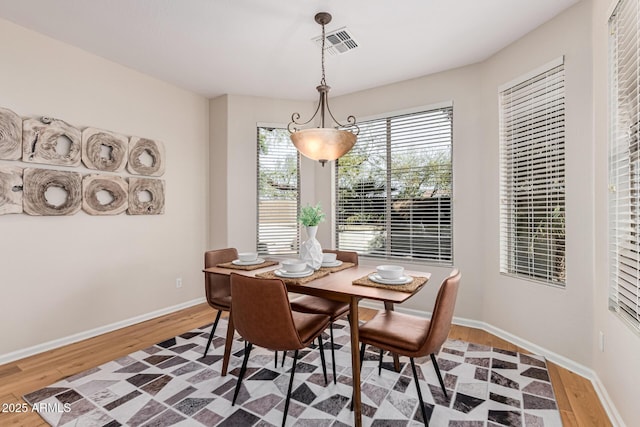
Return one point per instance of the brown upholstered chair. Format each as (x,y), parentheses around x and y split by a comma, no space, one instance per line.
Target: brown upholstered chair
(318,305)
(262,316)
(217,286)
(413,336)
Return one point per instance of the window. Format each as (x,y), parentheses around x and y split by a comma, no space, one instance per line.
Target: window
(278,193)
(624,163)
(393,189)
(532,168)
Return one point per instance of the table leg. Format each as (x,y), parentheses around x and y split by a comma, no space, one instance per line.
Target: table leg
(396,360)
(227,346)
(355,362)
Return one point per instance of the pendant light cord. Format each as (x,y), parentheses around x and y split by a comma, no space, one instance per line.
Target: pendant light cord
(322,80)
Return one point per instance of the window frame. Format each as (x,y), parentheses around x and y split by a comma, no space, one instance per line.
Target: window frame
(334,186)
(624,169)
(511,236)
(297,243)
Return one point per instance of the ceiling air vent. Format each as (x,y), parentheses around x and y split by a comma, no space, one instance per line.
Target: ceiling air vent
(338,42)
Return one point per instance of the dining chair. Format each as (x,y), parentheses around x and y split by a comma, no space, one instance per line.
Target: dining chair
(262,315)
(414,336)
(318,305)
(217,286)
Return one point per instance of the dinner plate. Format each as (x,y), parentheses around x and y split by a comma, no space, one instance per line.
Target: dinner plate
(296,275)
(254,262)
(375,277)
(336,263)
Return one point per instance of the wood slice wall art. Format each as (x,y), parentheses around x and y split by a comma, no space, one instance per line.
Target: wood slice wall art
(146,157)
(103,150)
(38,181)
(10,190)
(117,194)
(146,196)
(40,191)
(43,140)
(10,135)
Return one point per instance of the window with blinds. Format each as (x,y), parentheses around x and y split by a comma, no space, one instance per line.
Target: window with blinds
(393,189)
(624,162)
(278,193)
(532,170)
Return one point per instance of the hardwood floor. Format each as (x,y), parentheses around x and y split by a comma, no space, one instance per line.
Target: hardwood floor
(577,400)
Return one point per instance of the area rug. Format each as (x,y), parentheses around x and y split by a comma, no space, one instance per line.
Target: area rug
(171,384)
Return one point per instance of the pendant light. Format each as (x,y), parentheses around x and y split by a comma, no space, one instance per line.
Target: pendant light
(323,143)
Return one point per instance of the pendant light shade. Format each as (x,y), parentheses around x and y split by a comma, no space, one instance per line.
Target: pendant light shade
(323,143)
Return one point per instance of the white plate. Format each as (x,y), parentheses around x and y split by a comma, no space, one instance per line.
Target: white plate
(375,277)
(336,263)
(297,275)
(254,262)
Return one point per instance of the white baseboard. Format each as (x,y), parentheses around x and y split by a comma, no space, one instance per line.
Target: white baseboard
(50,345)
(601,391)
(605,399)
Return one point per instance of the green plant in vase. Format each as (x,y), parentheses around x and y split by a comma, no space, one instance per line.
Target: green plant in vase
(311,216)
(310,250)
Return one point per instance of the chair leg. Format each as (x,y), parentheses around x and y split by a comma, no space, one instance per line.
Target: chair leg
(213,330)
(333,353)
(415,378)
(324,365)
(437,368)
(276,360)
(380,363)
(243,369)
(293,372)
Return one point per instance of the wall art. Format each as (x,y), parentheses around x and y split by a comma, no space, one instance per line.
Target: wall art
(10,135)
(51,141)
(146,196)
(10,190)
(104,195)
(104,150)
(37,182)
(146,157)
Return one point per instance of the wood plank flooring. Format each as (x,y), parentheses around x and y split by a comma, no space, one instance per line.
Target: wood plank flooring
(577,400)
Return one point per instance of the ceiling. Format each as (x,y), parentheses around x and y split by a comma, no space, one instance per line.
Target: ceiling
(265,47)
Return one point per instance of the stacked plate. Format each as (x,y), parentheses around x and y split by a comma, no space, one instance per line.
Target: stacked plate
(254,262)
(290,275)
(336,263)
(402,280)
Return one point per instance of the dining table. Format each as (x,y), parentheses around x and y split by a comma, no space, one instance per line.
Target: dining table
(337,286)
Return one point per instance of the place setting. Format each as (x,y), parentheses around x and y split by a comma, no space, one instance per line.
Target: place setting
(248,261)
(295,271)
(390,276)
(332,264)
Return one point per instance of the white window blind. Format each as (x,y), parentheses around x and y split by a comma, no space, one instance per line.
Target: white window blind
(393,189)
(532,169)
(624,162)
(278,193)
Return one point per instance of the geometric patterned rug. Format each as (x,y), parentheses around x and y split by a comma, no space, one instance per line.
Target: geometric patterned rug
(171,384)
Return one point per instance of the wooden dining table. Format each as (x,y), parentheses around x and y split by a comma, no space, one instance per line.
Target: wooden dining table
(336,286)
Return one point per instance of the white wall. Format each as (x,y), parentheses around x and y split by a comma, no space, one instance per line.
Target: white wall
(64,275)
(618,366)
(558,319)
